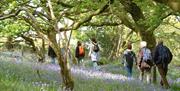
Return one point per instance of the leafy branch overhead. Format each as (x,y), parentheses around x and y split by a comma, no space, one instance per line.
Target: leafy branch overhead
(173,4)
(89,17)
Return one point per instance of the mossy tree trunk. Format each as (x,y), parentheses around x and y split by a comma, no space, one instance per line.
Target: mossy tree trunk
(9,43)
(38,51)
(65,72)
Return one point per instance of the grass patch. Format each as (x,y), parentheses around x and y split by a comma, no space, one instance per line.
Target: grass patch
(17,77)
(23,77)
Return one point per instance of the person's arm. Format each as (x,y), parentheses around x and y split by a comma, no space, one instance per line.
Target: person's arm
(90,51)
(135,58)
(49,51)
(139,58)
(123,58)
(77,52)
(155,56)
(170,53)
(84,51)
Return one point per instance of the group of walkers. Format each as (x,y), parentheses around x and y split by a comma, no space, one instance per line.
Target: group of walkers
(146,59)
(93,53)
(80,53)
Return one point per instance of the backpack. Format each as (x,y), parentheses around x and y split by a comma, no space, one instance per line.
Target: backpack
(129,56)
(96,48)
(81,51)
(164,54)
(146,55)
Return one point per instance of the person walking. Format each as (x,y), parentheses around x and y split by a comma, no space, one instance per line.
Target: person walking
(94,53)
(145,62)
(80,52)
(128,58)
(162,57)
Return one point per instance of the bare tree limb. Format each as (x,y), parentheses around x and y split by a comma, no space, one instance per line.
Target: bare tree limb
(133,9)
(88,17)
(102,24)
(2,16)
(64,4)
(32,21)
(175,26)
(43,16)
(21,4)
(51,10)
(32,6)
(13,12)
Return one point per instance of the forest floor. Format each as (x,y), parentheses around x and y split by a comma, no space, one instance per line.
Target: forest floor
(109,78)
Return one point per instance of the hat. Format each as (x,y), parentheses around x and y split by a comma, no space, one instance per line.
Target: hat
(143,44)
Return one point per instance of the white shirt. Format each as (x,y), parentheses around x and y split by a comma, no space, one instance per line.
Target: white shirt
(94,55)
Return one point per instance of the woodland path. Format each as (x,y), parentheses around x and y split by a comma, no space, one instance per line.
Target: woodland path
(89,73)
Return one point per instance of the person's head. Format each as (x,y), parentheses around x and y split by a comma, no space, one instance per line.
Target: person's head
(129,46)
(79,43)
(93,40)
(143,44)
(160,42)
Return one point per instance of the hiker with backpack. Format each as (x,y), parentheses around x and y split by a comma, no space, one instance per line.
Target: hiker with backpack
(162,57)
(128,58)
(80,52)
(94,53)
(145,61)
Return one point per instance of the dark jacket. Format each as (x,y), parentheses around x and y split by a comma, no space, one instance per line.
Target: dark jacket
(157,55)
(51,52)
(77,53)
(129,57)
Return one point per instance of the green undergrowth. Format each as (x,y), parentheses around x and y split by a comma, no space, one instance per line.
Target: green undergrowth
(18,77)
(24,77)
(101,85)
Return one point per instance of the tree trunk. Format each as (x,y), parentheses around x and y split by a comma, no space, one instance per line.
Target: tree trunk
(151,43)
(118,45)
(38,51)
(43,50)
(65,72)
(9,43)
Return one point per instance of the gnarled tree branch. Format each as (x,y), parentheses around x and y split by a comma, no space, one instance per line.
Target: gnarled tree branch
(64,4)
(51,10)
(2,16)
(102,24)
(88,17)
(133,9)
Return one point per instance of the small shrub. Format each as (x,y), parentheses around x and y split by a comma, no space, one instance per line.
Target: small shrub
(103,61)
